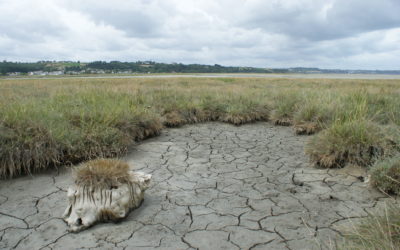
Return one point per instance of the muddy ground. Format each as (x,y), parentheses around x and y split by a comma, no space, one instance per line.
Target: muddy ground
(214,186)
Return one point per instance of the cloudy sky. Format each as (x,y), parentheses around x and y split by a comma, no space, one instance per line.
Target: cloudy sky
(352,34)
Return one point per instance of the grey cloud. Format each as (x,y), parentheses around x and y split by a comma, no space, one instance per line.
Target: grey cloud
(274,33)
(29,25)
(133,23)
(34,32)
(324,20)
(143,19)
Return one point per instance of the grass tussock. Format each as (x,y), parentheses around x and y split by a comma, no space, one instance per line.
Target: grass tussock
(240,110)
(102,173)
(315,113)
(307,128)
(376,231)
(28,147)
(284,106)
(46,123)
(357,142)
(385,175)
(392,136)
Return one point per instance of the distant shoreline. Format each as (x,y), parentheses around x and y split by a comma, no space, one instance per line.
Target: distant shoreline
(219,75)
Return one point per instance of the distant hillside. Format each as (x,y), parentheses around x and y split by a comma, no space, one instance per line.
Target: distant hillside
(122,67)
(117,67)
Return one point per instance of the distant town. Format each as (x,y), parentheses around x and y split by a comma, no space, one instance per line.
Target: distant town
(56,68)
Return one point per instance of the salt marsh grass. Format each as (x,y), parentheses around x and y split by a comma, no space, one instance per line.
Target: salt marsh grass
(45,123)
(49,122)
(376,231)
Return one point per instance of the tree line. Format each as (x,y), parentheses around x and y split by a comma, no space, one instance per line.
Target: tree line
(132,67)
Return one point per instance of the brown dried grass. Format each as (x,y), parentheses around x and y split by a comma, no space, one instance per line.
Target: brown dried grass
(102,173)
(308,128)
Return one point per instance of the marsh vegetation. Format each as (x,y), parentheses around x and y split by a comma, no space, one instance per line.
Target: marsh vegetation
(46,123)
(376,231)
(51,122)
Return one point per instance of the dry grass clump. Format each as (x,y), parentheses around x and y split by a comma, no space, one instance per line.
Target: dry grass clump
(355,135)
(392,136)
(385,175)
(176,109)
(174,119)
(284,106)
(240,110)
(239,119)
(376,231)
(358,142)
(306,128)
(315,113)
(178,118)
(149,126)
(102,173)
(27,148)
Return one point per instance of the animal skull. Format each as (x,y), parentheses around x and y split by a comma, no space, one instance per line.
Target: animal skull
(89,204)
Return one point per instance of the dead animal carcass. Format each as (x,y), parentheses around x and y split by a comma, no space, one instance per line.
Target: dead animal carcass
(104,190)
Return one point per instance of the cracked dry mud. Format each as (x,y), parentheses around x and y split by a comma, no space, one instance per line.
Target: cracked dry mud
(215,186)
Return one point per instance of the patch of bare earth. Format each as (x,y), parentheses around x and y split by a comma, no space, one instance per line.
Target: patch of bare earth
(215,186)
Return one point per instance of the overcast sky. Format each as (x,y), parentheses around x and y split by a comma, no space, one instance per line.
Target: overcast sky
(352,34)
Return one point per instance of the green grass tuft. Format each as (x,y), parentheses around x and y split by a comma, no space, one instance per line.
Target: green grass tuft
(315,114)
(385,175)
(284,106)
(376,231)
(356,141)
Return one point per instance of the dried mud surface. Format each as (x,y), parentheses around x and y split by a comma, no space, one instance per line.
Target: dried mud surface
(215,186)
